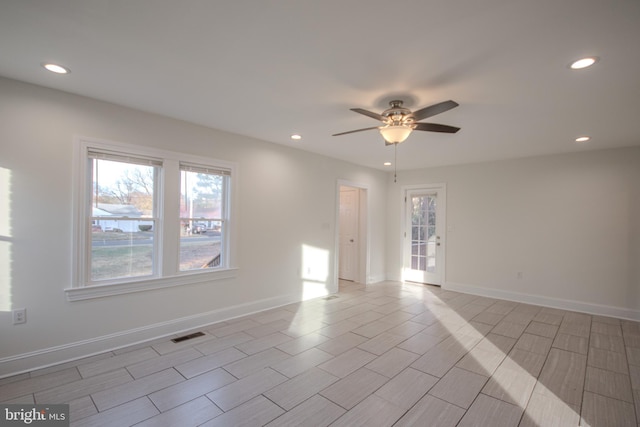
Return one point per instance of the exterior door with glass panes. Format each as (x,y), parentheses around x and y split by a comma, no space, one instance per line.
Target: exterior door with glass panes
(423,251)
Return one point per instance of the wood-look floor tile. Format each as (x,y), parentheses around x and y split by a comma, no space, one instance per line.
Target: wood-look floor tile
(607,342)
(251,364)
(481,361)
(381,343)
(303,343)
(239,325)
(608,383)
(408,387)
(267,328)
(213,361)
(190,414)
(534,343)
(218,344)
(509,329)
(337,329)
(549,411)
(347,362)
(487,411)
(601,411)
(438,360)
(633,356)
(298,389)
(604,327)
(296,365)
(127,414)
(240,391)
(316,411)
(489,318)
(84,387)
(353,389)
(609,360)
(580,329)
(431,411)
(256,412)
(374,328)
(512,386)
(118,395)
(421,342)
(550,318)
(521,318)
(571,343)
(542,329)
(81,408)
(34,385)
(371,412)
(392,362)
(459,387)
(157,364)
(260,344)
(73,363)
(116,362)
(407,329)
(190,389)
(342,343)
(563,376)
(21,400)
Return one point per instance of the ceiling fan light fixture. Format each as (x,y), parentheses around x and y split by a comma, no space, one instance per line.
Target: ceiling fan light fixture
(395,134)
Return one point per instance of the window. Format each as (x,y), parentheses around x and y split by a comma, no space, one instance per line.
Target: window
(202,216)
(148,218)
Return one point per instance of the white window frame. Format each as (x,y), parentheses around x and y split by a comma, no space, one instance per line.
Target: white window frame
(167,272)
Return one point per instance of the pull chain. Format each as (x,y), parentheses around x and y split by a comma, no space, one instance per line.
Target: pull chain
(395,162)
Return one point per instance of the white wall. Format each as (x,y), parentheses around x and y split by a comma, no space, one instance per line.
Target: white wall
(570,223)
(286,199)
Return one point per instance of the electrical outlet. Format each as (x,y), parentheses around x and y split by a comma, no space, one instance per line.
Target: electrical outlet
(19,316)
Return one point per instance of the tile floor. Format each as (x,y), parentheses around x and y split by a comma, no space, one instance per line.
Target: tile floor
(388,354)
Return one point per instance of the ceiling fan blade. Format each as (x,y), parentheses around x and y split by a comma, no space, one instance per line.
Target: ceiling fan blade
(369,114)
(435,127)
(434,109)
(352,131)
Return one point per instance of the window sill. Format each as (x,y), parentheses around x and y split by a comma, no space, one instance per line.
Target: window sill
(99,291)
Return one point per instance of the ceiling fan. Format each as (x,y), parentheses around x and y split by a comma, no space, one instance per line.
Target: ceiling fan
(399,121)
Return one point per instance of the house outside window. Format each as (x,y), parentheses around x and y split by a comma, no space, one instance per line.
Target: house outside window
(148,218)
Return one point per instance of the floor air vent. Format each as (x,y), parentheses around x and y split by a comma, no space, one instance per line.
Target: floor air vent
(330,297)
(188,337)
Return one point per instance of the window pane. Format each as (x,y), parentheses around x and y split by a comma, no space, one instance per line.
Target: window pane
(122,220)
(201,219)
(122,189)
(119,251)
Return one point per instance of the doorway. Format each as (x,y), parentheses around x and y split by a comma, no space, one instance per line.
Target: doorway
(352,233)
(424,235)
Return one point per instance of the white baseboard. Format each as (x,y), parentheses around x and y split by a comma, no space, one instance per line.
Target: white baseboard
(26,362)
(564,304)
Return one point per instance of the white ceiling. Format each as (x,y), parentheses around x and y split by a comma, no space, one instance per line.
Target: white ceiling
(271,68)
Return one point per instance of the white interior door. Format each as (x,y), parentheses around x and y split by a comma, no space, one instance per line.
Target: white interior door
(423,237)
(348,251)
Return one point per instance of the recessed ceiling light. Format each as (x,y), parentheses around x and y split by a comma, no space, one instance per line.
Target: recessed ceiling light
(387,163)
(583,138)
(583,63)
(55,68)
(296,136)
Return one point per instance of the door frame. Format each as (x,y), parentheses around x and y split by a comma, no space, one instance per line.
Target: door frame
(363,234)
(441,189)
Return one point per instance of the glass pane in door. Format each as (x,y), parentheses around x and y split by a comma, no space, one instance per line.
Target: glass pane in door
(423,233)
